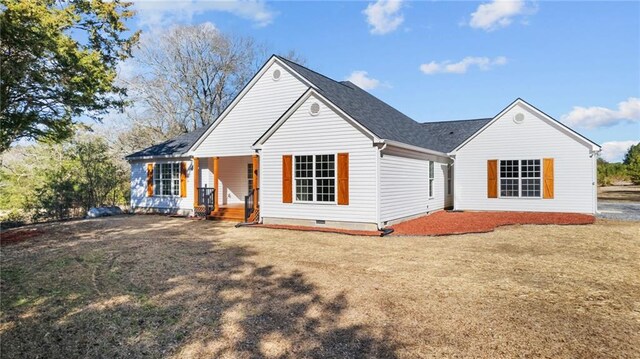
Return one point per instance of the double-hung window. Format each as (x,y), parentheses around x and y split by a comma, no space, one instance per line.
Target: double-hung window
(315,178)
(166,179)
(520,178)
(431,178)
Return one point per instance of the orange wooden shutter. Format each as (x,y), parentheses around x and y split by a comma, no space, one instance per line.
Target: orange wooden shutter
(548,178)
(492,178)
(287,182)
(149,179)
(343,178)
(183,179)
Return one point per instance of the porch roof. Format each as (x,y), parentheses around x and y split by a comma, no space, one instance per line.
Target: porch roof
(175,147)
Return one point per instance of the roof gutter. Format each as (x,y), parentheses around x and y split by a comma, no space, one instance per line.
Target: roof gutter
(414,148)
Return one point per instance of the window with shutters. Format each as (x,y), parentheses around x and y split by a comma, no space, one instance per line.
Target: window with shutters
(166,179)
(520,178)
(315,178)
(432,173)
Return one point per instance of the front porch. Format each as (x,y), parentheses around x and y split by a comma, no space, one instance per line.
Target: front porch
(226,188)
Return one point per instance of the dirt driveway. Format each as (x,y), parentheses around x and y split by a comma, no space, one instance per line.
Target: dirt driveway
(152,286)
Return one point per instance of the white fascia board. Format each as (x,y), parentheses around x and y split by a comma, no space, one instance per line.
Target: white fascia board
(415,148)
(132,159)
(242,93)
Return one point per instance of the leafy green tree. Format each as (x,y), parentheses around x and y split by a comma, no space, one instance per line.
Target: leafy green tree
(55,181)
(57,63)
(101,180)
(608,173)
(632,161)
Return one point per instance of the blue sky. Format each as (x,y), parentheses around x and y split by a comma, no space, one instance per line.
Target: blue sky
(577,61)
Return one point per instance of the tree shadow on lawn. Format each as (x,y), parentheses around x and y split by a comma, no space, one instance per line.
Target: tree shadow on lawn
(157,296)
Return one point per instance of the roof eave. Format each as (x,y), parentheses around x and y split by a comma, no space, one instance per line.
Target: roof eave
(414,148)
(134,158)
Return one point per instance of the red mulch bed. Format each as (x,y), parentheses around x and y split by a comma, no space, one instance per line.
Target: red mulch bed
(18,235)
(320,229)
(445,223)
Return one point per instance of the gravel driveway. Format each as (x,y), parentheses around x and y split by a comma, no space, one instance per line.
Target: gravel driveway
(625,211)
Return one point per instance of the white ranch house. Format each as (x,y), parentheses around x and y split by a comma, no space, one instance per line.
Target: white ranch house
(296,147)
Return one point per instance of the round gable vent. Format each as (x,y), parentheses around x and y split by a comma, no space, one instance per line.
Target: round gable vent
(276,74)
(314,109)
(518,118)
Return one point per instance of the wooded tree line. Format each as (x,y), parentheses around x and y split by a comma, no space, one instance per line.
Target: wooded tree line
(79,90)
(627,171)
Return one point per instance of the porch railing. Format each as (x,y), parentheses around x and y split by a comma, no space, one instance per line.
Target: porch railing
(249,203)
(205,198)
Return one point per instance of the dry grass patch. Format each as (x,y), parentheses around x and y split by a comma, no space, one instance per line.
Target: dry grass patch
(167,287)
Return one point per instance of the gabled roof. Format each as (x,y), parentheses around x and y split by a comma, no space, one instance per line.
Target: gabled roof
(375,115)
(552,121)
(174,147)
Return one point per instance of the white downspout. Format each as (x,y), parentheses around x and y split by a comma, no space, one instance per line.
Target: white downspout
(378,186)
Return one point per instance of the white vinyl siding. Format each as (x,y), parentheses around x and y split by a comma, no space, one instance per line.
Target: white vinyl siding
(326,133)
(139,199)
(404,184)
(232,179)
(534,138)
(254,113)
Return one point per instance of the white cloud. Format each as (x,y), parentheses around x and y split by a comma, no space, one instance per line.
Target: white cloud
(384,16)
(614,151)
(362,80)
(154,14)
(592,117)
(461,67)
(497,14)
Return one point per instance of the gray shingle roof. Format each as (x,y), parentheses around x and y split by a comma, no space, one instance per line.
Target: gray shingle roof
(385,121)
(378,117)
(174,147)
(445,136)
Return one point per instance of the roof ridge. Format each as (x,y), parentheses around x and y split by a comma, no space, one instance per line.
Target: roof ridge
(310,70)
(450,121)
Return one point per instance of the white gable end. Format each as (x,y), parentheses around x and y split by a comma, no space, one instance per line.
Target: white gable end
(253,113)
(325,133)
(534,137)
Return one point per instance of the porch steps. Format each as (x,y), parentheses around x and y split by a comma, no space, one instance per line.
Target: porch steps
(229,214)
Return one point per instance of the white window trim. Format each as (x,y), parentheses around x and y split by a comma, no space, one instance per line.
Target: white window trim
(313,179)
(520,197)
(431,180)
(154,180)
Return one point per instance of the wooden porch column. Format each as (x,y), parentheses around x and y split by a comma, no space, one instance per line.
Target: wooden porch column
(255,160)
(215,182)
(196,180)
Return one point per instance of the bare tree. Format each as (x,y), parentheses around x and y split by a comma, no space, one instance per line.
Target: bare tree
(186,76)
(182,79)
